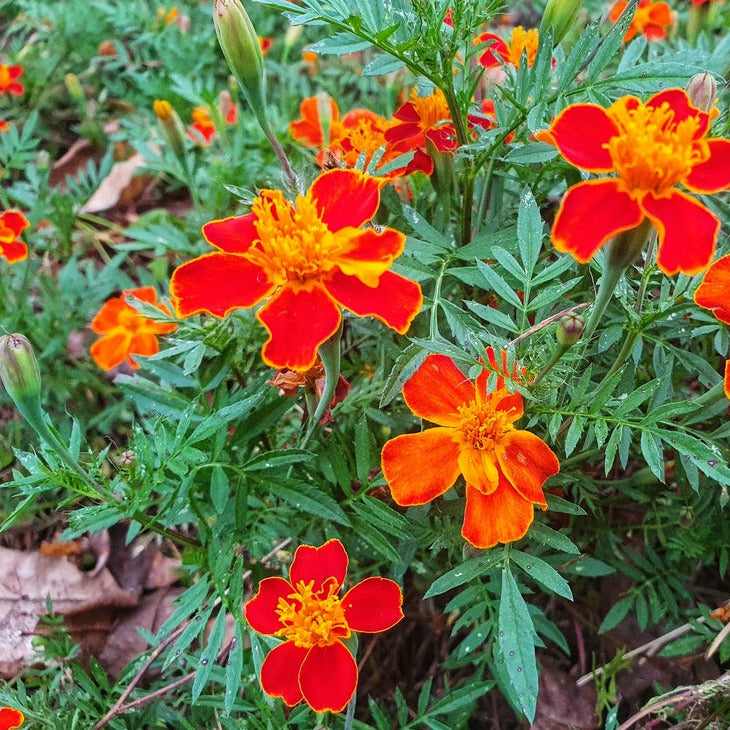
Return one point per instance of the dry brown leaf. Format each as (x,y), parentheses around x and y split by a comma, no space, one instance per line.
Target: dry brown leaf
(114,185)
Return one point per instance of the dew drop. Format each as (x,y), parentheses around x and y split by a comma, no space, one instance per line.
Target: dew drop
(511,653)
(519,669)
(501,633)
(204,662)
(711,462)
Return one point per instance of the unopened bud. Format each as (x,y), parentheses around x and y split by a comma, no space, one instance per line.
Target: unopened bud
(74,88)
(570,329)
(560,16)
(19,373)
(241,48)
(702,91)
(292,35)
(171,126)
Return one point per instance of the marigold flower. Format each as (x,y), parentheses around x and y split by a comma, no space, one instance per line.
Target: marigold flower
(521,40)
(4,126)
(10,718)
(12,223)
(319,123)
(651,18)
(651,147)
(265,44)
(203,129)
(309,260)
(8,79)
(313,664)
(504,468)
(125,331)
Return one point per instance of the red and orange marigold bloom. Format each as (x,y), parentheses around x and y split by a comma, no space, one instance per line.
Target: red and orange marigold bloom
(313,664)
(521,41)
(126,331)
(9,83)
(308,259)
(12,223)
(651,147)
(504,468)
(651,18)
(203,128)
(4,126)
(10,718)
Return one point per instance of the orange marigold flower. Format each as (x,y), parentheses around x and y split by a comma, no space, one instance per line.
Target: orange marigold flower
(651,147)
(521,41)
(203,130)
(10,718)
(313,664)
(308,259)
(8,79)
(504,468)
(4,126)
(125,331)
(12,222)
(265,44)
(651,18)
(319,124)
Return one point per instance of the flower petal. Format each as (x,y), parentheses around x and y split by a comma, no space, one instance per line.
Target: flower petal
(678,100)
(298,323)
(373,605)
(713,292)
(437,389)
(217,283)
(143,343)
(502,516)
(496,50)
(714,174)
(726,381)
(14,220)
(232,235)
(111,350)
(395,301)
(319,564)
(479,469)
(369,253)
(687,232)
(527,462)
(346,198)
(581,133)
(590,213)
(420,466)
(14,251)
(328,677)
(10,718)
(280,672)
(260,611)
(308,130)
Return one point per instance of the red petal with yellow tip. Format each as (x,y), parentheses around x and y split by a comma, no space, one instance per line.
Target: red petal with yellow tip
(527,462)
(714,291)
(10,718)
(320,565)
(308,129)
(346,198)
(590,213)
(328,677)
(232,235)
(373,605)
(726,382)
(298,323)
(497,50)
(217,283)
(14,220)
(437,389)
(14,251)
(374,246)
(420,466)
(713,175)
(280,672)
(581,133)
(260,611)
(395,301)
(682,107)
(687,232)
(502,516)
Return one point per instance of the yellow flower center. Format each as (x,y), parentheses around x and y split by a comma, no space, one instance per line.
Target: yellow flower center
(131,320)
(482,425)
(523,40)
(312,619)
(652,151)
(431,109)
(294,246)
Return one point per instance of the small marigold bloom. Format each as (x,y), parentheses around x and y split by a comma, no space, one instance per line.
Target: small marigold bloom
(10,718)
(651,147)
(651,18)
(308,260)
(8,79)
(265,44)
(203,130)
(319,124)
(125,331)
(4,126)
(313,664)
(504,468)
(521,40)
(12,223)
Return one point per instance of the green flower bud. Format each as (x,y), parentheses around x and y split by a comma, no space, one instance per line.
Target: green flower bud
(570,329)
(171,126)
(560,16)
(20,376)
(702,91)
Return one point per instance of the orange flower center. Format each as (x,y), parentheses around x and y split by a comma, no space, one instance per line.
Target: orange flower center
(652,151)
(312,619)
(131,320)
(523,40)
(431,109)
(295,247)
(482,425)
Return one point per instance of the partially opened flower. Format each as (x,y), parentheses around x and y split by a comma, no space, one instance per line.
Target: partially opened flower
(651,148)
(9,83)
(126,331)
(203,129)
(650,18)
(12,223)
(313,664)
(10,718)
(499,51)
(309,260)
(504,468)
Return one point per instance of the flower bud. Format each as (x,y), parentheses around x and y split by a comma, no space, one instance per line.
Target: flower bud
(241,48)
(702,91)
(19,373)
(570,329)
(74,88)
(292,35)
(559,15)
(171,126)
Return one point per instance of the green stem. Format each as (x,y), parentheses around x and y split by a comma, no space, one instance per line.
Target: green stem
(279,151)
(610,278)
(554,360)
(434,328)
(350,714)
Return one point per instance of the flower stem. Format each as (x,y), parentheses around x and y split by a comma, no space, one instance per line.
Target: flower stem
(350,714)
(609,280)
(554,360)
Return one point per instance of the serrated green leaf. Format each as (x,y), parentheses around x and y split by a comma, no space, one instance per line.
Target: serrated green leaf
(547,536)
(456,699)
(653,455)
(312,500)
(463,573)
